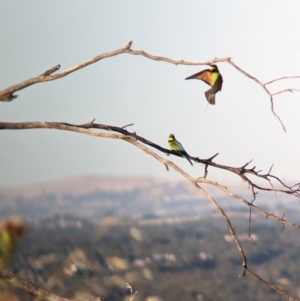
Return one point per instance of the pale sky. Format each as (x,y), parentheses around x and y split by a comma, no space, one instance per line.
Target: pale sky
(262,37)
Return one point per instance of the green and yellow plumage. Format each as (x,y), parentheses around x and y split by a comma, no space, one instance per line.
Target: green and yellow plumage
(213,78)
(10,230)
(175,145)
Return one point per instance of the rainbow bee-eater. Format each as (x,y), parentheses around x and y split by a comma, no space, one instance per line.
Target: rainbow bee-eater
(213,78)
(175,145)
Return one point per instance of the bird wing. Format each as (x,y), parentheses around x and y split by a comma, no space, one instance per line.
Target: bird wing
(205,75)
(176,146)
(179,146)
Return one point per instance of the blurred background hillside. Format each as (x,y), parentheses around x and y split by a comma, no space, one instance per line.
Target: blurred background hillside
(161,237)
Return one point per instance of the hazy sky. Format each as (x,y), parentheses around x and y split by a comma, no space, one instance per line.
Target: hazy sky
(262,37)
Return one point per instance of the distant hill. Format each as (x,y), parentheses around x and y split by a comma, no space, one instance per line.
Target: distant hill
(98,196)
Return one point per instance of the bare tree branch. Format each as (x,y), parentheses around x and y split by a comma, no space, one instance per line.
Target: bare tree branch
(230,227)
(286,90)
(281,78)
(242,171)
(8,93)
(284,295)
(16,282)
(250,204)
(263,85)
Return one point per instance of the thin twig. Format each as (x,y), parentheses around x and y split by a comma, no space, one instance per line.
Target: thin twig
(250,204)
(286,90)
(281,78)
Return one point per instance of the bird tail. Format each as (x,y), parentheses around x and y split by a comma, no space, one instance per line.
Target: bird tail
(186,156)
(210,96)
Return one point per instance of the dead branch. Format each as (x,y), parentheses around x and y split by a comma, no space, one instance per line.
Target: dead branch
(281,78)
(284,295)
(243,172)
(247,203)
(286,90)
(8,93)
(229,225)
(16,282)
(263,85)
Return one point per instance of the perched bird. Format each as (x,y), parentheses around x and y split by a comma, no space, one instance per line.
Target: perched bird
(213,78)
(10,230)
(175,145)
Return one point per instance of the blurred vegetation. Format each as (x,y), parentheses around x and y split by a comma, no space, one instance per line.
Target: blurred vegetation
(168,258)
